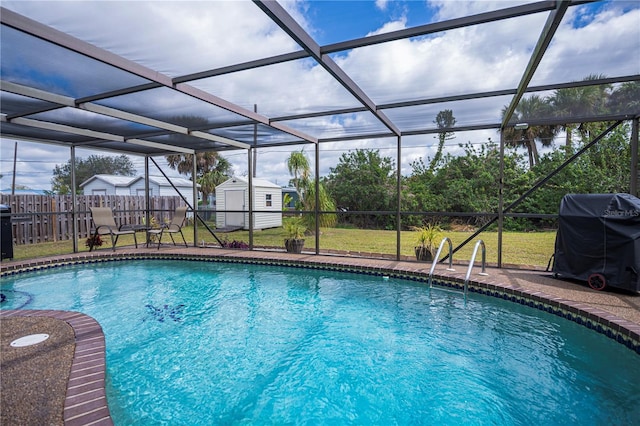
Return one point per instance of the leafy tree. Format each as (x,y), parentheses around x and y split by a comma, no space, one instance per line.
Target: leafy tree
(465,183)
(418,191)
(530,108)
(604,168)
(93,165)
(469,183)
(364,181)
(444,120)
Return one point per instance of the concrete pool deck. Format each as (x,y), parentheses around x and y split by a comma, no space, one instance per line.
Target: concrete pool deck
(72,370)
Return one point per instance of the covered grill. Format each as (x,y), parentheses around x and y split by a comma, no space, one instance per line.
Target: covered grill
(598,240)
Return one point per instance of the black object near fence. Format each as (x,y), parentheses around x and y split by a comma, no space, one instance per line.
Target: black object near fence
(6,234)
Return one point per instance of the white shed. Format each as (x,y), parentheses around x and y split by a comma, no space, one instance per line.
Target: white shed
(160,186)
(106,185)
(234,195)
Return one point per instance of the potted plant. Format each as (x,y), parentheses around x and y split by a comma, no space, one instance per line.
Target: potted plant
(294,230)
(426,239)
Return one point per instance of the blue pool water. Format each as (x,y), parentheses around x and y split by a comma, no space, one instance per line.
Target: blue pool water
(207,343)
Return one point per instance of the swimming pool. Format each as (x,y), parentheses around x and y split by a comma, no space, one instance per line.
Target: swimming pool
(225,343)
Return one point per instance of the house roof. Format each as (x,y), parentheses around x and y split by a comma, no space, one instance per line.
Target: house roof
(162,181)
(25,191)
(126,181)
(115,180)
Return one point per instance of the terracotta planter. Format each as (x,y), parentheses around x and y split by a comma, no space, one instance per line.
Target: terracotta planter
(423,254)
(294,246)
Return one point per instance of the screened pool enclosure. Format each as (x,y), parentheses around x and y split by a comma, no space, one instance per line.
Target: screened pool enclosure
(256,78)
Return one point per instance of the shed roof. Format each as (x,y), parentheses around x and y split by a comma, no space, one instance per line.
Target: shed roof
(87,74)
(257,182)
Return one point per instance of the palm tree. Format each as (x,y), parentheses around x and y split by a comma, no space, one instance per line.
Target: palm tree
(298,166)
(444,119)
(211,169)
(625,98)
(211,179)
(327,204)
(533,107)
(579,102)
(183,163)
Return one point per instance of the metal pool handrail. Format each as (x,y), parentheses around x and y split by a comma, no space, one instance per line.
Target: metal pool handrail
(437,256)
(472,261)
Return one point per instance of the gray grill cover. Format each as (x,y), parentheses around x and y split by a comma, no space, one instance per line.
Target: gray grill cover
(599,233)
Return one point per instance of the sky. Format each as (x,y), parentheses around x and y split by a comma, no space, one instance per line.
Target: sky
(436,65)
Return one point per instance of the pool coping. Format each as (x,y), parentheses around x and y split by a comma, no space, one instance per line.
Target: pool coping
(88,404)
(85,401)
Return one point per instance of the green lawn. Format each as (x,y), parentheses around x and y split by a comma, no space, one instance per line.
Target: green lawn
(530,248)
(519,248)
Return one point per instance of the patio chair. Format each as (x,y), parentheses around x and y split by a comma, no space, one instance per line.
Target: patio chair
(171,228)
(105,224)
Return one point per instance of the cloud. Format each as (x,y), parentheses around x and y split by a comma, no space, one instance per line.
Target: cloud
(382,4)
(608,45)
(458,61)
(447,9)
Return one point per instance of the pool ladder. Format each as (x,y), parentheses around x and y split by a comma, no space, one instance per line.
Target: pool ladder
(479,243)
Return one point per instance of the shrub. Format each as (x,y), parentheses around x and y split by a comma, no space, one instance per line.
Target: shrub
(93,241)
(235,244)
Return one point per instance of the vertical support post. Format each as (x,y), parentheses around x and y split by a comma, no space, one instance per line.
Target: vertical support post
(317,203)
(250,196)
(398,197)
(15,161)
(253,160)
(633,184)
(74,201)
(501,198)
(255,142)
(147,198)
(195,199)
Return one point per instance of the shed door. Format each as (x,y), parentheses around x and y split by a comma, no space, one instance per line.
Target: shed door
(234,200)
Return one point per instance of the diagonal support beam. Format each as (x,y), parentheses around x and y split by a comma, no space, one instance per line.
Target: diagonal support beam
(280,16)
(550,28)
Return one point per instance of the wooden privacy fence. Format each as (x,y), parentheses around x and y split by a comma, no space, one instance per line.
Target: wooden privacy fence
(45,218)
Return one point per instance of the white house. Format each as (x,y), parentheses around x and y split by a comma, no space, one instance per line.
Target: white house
(234,195)
(106,185)
(160,186)
(128,185)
